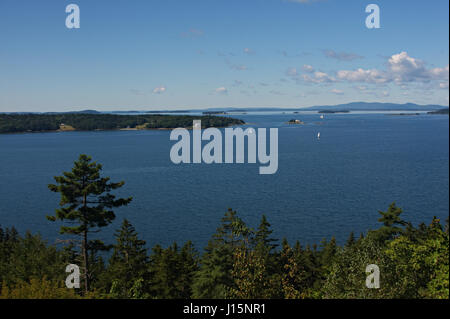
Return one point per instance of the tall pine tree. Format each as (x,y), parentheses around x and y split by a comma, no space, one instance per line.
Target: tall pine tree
(86,204)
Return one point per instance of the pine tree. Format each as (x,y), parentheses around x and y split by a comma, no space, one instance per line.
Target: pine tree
(129,250)
(391,224)
(214,278)
(172,270)
(230,231)
(129,261)
(328,251)
(188,267)
(361,238)
(291,274)
(263,242)
(86,203)
(351,240)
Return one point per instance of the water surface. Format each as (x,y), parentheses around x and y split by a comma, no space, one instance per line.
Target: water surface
(325,187)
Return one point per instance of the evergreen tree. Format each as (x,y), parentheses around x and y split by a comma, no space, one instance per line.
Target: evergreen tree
(312,267)
(263,242)
(351,240)
(172,271)
(24,258)
(188,268)
(391,224)
(291,273)
(214,278)
(361,237)
(129,261)
(86,203)
(328,252)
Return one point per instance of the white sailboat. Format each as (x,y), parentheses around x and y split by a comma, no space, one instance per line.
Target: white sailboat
(318,135)
(322,117)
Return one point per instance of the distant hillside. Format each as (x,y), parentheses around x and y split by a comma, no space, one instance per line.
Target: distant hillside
(74,112)
(354,106)
(363,106)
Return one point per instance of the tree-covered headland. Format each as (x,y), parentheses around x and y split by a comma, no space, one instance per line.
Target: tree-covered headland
(19,123)
(239,262)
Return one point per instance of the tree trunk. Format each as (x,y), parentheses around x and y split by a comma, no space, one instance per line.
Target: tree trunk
(85,252)
(85,261)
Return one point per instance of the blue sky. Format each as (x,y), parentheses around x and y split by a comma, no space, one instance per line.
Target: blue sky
(174,54)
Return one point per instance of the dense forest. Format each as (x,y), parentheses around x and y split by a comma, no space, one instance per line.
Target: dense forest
(17,123)
(238,263)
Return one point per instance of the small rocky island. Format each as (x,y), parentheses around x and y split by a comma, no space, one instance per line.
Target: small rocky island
(298,122)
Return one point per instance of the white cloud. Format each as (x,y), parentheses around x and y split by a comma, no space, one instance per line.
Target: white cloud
(159,90)
(407,69)
(308,68)
(292,72)
(361,75)
(361,88)
(440,73)
(401,69)
(222,90)
(248,51)
(337,92)
(318,77)
(443,85)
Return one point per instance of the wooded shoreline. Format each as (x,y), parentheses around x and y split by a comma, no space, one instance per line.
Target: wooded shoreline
(40,123)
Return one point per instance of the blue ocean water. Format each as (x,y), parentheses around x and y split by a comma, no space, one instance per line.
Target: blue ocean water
(325,187)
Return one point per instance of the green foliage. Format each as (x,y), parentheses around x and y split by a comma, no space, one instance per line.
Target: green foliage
(421,264)
(238,262)
(414,264)
(128,265)
(391,224)
(24,258)
(263,242)
(249,274)
(172,271)
(347,277)
(38,289)
(214,279)
(87,204)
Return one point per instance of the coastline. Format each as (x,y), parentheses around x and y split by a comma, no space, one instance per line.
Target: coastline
(114,130)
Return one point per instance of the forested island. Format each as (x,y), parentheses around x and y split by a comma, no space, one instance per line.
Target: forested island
(404,114)
(239,262)
(442,112)
(333,111)
(19,123)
